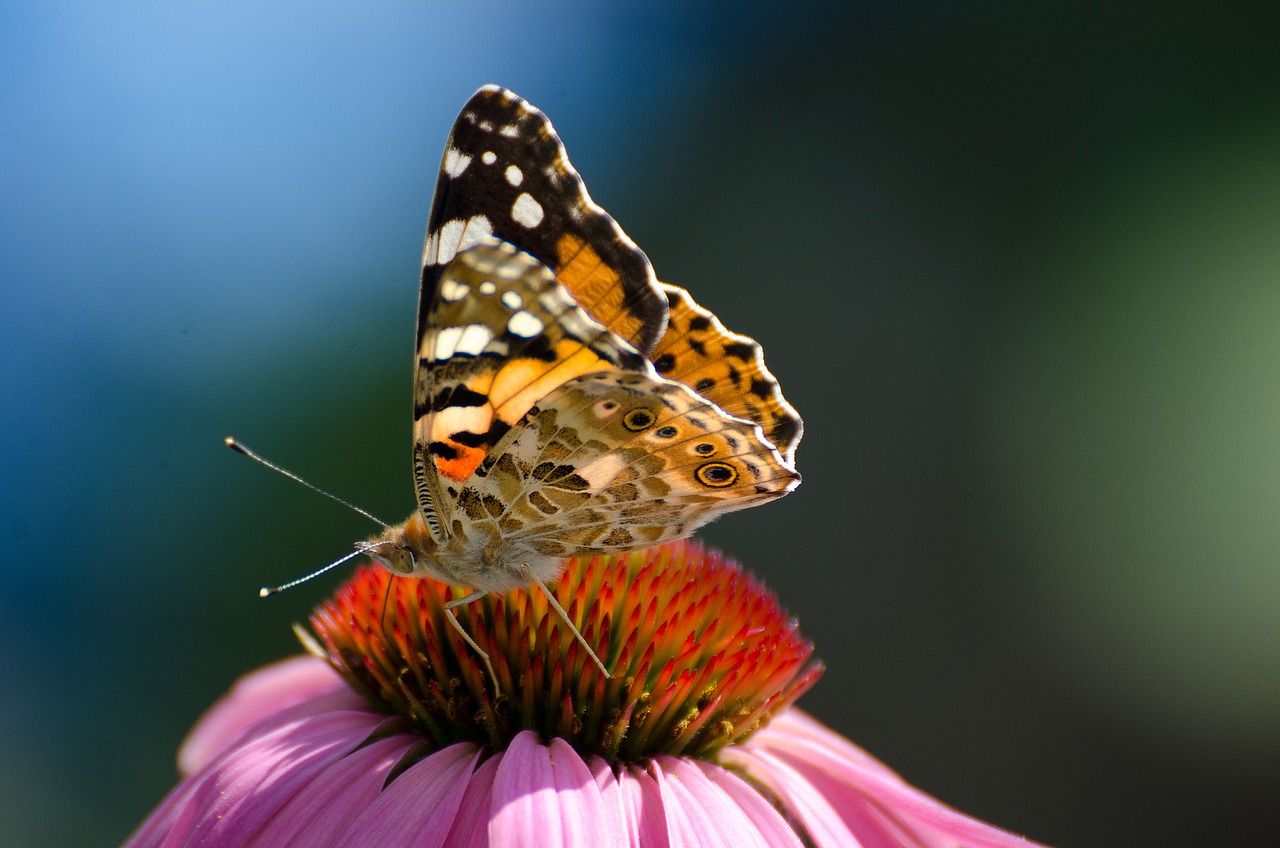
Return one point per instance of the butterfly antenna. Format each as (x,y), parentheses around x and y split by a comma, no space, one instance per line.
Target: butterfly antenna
(268,591)
(241,448)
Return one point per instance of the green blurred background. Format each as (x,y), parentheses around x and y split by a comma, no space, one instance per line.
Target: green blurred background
(1017,264)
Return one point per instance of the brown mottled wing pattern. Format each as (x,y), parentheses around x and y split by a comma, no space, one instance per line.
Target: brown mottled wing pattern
(726,369)
(505,173)
(501,335)
(609,462)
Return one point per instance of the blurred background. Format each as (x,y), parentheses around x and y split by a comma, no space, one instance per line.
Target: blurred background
(1016,264)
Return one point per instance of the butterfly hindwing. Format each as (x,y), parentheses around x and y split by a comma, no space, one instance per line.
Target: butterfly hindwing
(501,333)
(505,173)
(725,368)
(616,460)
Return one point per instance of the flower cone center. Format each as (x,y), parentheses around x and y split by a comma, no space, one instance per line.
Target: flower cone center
(700,655)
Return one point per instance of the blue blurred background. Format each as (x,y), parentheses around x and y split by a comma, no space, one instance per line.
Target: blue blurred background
(1016,264)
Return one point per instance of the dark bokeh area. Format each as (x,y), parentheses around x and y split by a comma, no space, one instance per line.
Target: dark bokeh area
(1017,265)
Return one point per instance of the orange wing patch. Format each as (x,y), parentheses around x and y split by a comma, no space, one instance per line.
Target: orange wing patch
(521,383)
(462,436)
(502,334)
(725,368)
(463,463)
(598,287)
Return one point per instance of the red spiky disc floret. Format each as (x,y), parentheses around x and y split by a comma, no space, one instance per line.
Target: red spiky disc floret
(701,655)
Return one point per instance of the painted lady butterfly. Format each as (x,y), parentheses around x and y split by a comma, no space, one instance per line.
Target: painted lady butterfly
(566,403)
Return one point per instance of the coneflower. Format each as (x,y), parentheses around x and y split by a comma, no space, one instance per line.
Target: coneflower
(391,735)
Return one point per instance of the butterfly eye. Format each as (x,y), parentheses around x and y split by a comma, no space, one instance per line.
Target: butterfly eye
(717,475)
(401,561)
(667,432)
(638,419)
(704,449)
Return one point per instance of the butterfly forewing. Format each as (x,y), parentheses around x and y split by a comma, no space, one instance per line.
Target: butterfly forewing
(505,173)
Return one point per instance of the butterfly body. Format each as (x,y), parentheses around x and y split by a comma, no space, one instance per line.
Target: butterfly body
(480,558)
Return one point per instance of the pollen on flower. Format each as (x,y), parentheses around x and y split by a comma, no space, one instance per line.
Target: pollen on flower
(701,655)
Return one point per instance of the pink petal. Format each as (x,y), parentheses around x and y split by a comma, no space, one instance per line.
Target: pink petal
(232,798)
(471,824)
(612,802)
(642,804)
(842,821)
(323,808)
(257,696)
(544,795)
(762,814)
(792,724)
(873,822)
(419,807)
(699,812)
(822,766)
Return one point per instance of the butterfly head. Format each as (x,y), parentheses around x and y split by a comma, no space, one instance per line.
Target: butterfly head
(405,549)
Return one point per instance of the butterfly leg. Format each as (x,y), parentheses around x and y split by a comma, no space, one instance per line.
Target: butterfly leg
(466,637)
(564,616)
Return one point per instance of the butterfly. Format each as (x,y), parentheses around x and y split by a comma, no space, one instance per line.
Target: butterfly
(566,402)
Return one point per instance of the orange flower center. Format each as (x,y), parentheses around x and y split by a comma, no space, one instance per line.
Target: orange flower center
(701,655)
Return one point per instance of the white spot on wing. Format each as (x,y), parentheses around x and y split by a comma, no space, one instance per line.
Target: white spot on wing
(514,175)
(488,287)
(488,157)
(454,236)
(431,248)
(525,324)
(603,471)
(455,162)
(512,300)
(526,211)
(474,339)
(556,299)
(510,131)
(451,289)
(446,343)
(477,230)
(487,126)
(459,419)
(575,323)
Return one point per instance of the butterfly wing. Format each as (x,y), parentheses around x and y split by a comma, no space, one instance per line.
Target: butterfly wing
(505,173)
(725,368)
(502,333)
(621,459)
